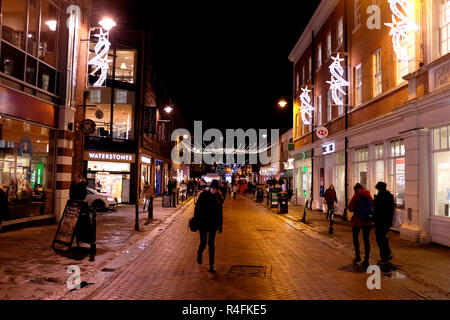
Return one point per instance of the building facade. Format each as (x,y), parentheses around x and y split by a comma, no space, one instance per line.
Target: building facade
(380,110)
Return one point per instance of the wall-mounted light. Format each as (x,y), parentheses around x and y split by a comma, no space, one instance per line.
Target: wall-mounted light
(51,24)
(168,109)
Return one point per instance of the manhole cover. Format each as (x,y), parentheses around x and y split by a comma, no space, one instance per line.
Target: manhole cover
(247,271)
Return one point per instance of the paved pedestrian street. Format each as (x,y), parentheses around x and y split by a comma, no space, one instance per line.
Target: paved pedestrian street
(259,255)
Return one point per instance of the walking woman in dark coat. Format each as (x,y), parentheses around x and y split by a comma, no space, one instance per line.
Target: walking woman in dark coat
(208,213)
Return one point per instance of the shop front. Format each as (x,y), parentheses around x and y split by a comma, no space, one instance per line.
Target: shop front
(303,176)
(145,173)
(110,173)
(27,164)
(158,177)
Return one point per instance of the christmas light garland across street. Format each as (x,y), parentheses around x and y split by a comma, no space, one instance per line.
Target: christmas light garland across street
(400,28)
(337,82)
(305,108)
(240,150)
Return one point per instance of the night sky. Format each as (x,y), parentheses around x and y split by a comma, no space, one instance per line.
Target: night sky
(226,63)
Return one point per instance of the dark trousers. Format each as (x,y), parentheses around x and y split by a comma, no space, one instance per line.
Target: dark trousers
(204,239)
(329,208)
(381,232)
(366,234)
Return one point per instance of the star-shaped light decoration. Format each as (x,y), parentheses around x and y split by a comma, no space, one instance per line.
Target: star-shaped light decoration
(337,81)
(306,108)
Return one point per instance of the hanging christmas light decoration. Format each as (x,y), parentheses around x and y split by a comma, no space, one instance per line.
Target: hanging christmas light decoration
(400,26)
(100,61)
(306,108)
(337,81)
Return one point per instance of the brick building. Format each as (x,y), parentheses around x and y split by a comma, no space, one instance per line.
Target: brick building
(390,121)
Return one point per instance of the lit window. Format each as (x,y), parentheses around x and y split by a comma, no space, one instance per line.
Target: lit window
(397,171)
(340,32)
(329,105)
(376,69)
(361,166)
(444,27)
(329,44)
(319,110)
(319,55)
(358,85)
(357,14)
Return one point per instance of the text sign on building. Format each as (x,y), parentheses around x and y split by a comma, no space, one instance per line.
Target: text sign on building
(146,160)
(328,148)
(109,156)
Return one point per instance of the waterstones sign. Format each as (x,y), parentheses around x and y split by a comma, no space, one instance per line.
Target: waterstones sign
(109,156)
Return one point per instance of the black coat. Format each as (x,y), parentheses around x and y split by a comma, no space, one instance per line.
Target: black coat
(384,208)
(78,191)
(4,208)
(208,211)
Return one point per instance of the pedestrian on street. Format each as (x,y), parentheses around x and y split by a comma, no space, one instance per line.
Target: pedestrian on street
(330,198)
(208,213)
(383,216)
(361,205)
(235,191)
(146,193)
(78,188)
(4,206)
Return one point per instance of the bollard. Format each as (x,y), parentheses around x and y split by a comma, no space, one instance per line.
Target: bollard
(330,230)
(344,216)
(93,247)
(136,223)
(304,212)
(150,208)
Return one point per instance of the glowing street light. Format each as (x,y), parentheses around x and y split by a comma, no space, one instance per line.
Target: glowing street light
(51,24)
(168,109)
(282,103)
(107,23)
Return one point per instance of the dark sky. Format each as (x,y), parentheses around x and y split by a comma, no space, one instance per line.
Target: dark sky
(226,63)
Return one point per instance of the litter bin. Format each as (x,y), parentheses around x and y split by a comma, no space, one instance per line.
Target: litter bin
(259,195)
(274,197)
(283,202)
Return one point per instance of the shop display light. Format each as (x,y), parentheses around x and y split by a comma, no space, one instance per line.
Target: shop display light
(337,81)
(400,26)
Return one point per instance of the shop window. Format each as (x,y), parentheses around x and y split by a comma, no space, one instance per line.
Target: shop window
(123,114)
(397,171)
(26,173)
(124,66)
(340,175)
(444,27)
(48,35)
(46,78)
(12,61)
(14,22)
(441,168)
(361,166)
(31,71)
(378,165)
(33,27)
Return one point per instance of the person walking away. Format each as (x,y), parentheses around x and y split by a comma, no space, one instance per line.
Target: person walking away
(208,213)
(4,206)
(330,198)
(235,191)
(361,205)
(383,216)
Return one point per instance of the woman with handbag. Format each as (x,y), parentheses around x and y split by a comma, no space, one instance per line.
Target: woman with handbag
(208,217)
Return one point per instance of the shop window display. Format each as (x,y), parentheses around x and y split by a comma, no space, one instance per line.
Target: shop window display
(361,166)
(397,171)
(340,176)
(26,169)
(441,164)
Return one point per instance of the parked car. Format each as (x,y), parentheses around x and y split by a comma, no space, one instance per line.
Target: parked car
(100,201)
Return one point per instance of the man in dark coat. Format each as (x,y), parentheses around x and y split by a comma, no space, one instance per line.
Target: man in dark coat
(78,188)
(208,213)
(330,198)
(383,216)
(4,207)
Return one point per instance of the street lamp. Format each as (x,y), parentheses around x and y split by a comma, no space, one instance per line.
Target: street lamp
(168,109)
(282,103)
(107,23)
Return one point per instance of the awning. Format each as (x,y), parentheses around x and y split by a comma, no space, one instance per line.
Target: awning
(287,174)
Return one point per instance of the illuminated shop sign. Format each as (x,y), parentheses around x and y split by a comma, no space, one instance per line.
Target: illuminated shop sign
(146,160)
(328,148)
(109,156)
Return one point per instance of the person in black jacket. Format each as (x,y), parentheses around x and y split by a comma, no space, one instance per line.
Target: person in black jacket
(208,213)
(78,188)
(4,206)
(383,216)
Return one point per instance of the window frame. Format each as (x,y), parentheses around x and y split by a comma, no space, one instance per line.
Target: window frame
(340,32)
(358,85)
(377,75)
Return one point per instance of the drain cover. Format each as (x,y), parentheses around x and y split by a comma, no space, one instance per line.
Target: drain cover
(247,271)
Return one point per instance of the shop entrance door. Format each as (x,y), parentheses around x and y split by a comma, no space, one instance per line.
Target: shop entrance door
(115,184)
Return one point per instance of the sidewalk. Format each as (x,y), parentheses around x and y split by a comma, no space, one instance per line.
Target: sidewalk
(31,269)
(428,264)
